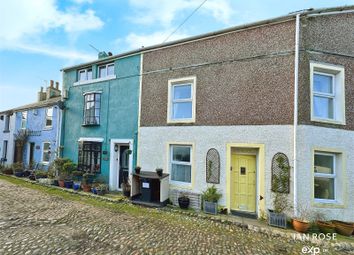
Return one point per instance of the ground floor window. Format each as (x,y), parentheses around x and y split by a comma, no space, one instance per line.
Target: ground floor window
(181,163)
(325,176)
(46,152)
(90,156)
(4,149)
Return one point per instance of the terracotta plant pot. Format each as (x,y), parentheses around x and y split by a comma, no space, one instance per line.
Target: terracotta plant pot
(301,226)
(343,228)
(86,187)
(61,183)
(326,227)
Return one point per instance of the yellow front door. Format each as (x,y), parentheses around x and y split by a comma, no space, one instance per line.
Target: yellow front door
(243,183)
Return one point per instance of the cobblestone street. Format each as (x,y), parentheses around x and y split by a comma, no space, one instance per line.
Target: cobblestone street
(33,222)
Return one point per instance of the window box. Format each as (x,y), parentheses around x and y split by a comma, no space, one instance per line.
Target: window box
(277,219)
(210,207)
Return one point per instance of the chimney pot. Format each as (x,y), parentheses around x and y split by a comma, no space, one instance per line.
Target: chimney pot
(57,85)
(51,83)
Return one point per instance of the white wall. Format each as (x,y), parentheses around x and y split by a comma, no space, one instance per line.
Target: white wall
(9,136)
(310,138)
(153,145)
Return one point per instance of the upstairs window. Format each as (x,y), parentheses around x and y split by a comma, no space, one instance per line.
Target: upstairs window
(49,117)
(90,156)
(106,70)
(181,104)
(85,74)
(23,120)
(92,108)
(328,97)
(7,123)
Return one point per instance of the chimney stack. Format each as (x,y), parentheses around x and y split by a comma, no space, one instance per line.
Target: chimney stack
(53,92)
(51,83)
(41,95)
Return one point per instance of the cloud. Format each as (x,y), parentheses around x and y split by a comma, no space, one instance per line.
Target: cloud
(82,1)
(23,22)
(165,12)
(135,41)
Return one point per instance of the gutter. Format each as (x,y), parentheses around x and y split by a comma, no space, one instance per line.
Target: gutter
(296,87)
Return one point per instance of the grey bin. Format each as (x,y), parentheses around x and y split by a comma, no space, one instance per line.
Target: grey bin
(277,219)
(210,207)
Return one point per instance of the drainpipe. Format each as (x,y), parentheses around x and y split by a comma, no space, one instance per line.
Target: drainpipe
(296,85)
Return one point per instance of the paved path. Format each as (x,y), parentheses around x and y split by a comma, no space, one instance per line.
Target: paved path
(32,222)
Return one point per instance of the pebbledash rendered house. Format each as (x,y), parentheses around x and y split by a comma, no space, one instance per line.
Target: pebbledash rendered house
(100,125)
(221,107)
(39,124)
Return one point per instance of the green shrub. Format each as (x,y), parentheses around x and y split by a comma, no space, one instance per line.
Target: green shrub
(17,167)
(41,174)
(211,194)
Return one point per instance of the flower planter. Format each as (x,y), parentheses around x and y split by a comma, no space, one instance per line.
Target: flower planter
(277,219)
(76,185)
(183,202)
(326,227)
(68,184)
(301,226)
(26,173)
(61,183)
(19,174)
(210,207)
(94,190)
(86,187)
(159,171)
(55,183)
(126,193)
(343,228)
(100,192)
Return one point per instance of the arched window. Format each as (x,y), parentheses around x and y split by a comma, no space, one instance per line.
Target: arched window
(280,173)
(212,172)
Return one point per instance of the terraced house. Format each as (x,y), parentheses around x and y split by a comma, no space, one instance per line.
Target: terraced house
(101,116)
(220,107)
(39,124)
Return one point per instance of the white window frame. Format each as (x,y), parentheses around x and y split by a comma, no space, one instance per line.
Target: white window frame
(47,117)
(106,66)
(338,91)
(43,151)
(7,123)
(327,176)
(180,82)
(171,161)
(86,74)
(24,120)
(4,149)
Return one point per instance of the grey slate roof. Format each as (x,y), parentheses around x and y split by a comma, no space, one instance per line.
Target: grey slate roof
(291,15)
(41,104)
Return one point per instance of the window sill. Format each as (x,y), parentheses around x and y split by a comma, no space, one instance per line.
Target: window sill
(90,125)
(181,185)
(328,121)
(111,77)
(180,121)
(324,203)
(45,163)
(47,128)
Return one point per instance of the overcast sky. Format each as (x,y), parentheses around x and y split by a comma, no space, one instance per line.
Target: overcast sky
(39,37)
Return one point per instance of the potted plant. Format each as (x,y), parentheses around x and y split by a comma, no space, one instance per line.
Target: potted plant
(301,222)
(343,228)
(68,168)
(86,182)
(41,174)
(77,176)
(101,189)
(17,169)
(7,170)
(326,226)
(159,171)
(126,187)
(183,202)
(210,198)
(137,169)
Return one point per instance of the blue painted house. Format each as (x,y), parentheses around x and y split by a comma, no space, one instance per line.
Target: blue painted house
(100,123)
(40,121)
